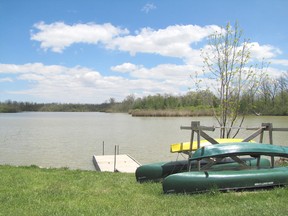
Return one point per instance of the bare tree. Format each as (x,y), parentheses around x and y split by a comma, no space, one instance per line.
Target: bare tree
(226,60)
(283,87)
(269,89)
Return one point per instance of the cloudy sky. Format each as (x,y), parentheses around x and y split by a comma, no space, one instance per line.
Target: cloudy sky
(87,51)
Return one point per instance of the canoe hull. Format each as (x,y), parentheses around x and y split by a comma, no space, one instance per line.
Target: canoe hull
(158,171)
(203,181)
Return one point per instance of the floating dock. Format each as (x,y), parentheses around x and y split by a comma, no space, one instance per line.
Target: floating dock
(115,163)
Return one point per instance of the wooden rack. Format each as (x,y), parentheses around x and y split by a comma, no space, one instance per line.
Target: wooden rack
(198,129)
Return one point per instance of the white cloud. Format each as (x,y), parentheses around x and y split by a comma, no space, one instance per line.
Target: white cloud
(30,68)
(6,79)
(173,41)
(80,84)
(178,41)
(125,67)
(283,62)
(84,85)
(57,36)
(176,74)
(258,53)
(148,7)
(275,73)
(263,51)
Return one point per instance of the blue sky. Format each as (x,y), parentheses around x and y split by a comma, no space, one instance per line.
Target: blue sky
(87,51)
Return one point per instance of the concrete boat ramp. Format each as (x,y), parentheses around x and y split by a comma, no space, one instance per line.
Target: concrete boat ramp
(115,163)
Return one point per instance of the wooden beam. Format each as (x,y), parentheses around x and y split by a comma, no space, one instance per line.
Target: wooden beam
(252,136)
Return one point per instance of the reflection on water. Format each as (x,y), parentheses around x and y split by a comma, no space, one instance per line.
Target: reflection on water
(70,139)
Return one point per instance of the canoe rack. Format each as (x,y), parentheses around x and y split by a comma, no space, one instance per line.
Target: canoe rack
(198,129)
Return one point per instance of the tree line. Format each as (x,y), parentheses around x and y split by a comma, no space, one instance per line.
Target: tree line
(14,106)
(271,98)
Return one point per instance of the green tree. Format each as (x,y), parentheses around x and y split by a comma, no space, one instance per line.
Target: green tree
(226,61)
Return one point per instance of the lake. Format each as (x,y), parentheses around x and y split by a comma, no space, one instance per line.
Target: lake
(71,139)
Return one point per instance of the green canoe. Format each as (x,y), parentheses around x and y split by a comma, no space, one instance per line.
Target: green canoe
(203,181)
(158,171)
(243,148)
(223,179)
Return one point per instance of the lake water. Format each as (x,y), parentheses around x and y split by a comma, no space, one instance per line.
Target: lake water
(71,139)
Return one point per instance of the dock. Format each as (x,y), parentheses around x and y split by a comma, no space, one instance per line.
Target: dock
(115,163)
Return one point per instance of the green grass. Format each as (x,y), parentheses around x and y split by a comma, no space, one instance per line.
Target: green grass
(35,191)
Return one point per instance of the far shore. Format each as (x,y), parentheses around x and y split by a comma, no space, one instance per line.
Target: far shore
(170,113)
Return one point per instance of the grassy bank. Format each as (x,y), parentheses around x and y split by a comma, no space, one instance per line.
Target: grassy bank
(35,191)
(171,113)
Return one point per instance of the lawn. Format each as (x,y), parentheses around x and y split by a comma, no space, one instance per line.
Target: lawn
(35,191)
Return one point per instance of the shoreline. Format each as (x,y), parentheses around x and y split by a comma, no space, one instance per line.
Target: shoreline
(170,113)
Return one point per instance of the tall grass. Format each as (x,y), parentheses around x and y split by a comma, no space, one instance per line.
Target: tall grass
(171,113)
(35,191)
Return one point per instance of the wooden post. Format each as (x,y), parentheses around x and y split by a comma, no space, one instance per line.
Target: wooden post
(198,143)
(115,151)
(191,146)
(270,129)
(196,128)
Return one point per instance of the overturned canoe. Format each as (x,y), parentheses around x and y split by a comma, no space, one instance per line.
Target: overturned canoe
(247,178)
(203,181)
(158,171)
(243,148)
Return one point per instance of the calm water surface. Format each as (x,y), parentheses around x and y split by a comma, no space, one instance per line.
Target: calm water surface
(70,139)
